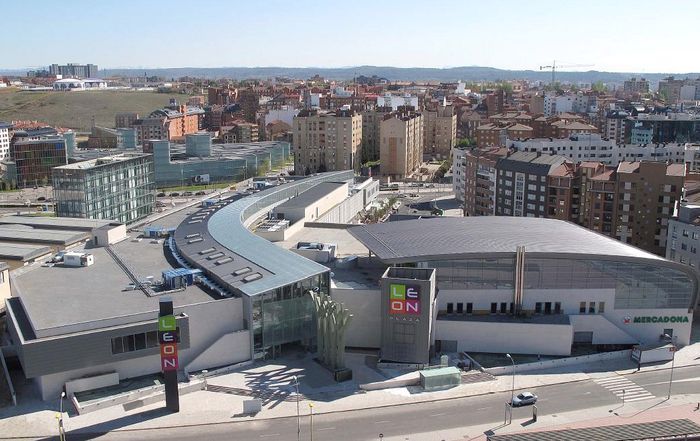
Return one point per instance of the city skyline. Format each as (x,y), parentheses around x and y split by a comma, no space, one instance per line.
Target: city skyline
(390,34)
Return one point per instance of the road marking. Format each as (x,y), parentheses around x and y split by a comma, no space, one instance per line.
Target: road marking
(483,408)
(685,380)
(326,428)
(624,389)
(272,434)
(437,414)
(381,422)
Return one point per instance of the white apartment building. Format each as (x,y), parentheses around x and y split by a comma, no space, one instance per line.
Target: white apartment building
(554,105)
(684,236)
(4,140)
(594,147)
(458,173)
(395,101)
(692,157)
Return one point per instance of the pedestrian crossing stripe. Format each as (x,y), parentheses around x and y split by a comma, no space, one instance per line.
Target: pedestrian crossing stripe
(624,389)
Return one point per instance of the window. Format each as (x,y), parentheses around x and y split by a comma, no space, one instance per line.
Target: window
(460,308)
(548,307)
(557,307)
(494,308)
(591,308)
(470,308)
(538,308)
(504,307)
(601,307)
(450,308)
(134,342)
(582,308)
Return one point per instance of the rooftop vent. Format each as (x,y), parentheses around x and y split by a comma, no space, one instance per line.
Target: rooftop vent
(207,251)
(252,277)
(224,260)
(195,240)
(240,272)
(215,256)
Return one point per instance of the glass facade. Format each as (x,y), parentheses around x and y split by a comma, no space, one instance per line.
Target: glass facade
(115,188)
(35,159)
(636,285)
(286,314)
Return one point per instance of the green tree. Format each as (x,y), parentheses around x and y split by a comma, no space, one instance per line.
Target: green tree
(599,86)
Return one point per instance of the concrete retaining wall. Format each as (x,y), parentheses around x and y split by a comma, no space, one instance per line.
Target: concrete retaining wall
(92,382)
(570,361)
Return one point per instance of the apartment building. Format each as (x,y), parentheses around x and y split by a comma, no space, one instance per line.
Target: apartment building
(459,157)
(479,175)
(5,140)
(683,242)
(616,125)
(521,188)
(371,121)
(123,120)
(647,195)
(634,85)
(497,134)
(327,141)
(170,123)
(439,131)
(240,132)
(401,143)
(598,212)
(249,101)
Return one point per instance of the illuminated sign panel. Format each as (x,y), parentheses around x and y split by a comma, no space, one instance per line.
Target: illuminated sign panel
(404,299)
(167,332)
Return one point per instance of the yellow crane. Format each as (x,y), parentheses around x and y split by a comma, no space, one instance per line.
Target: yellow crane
(554,66)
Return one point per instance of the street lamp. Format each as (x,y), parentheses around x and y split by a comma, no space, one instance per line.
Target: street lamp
(311,425)
(61,433)
(512,390)
(673,361)
(296,384)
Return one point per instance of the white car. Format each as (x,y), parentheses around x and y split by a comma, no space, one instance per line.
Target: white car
(523,399)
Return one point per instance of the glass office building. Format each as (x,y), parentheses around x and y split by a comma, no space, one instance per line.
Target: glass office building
(119,187)
(32,161)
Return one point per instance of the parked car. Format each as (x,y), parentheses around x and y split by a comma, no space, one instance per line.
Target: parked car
(414,195)
(41,198)
(187,193)
(524,399)
(200,193)
(160,195)
(175,194)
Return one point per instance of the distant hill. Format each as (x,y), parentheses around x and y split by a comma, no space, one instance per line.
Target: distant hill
(464,73)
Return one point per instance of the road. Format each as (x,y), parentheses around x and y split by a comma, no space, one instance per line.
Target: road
(424,417)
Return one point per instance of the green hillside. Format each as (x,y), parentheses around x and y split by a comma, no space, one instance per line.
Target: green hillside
(76,109)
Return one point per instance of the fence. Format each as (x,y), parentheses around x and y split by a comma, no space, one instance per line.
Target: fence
(560,362)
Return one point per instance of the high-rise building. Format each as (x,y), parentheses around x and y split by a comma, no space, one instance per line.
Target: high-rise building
(521,189)
(401,143)
(634,85)
(647,196)
(327,141)
(371,121)
(72,70)
(119,187)
(439,131)
(4,140)
(250,102)
(480,180)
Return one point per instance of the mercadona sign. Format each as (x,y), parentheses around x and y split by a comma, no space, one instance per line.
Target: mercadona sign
(661,319)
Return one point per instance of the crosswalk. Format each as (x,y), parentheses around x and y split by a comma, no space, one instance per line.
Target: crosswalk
(622,386)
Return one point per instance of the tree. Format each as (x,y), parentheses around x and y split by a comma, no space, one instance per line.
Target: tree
(599,87)
(464,142)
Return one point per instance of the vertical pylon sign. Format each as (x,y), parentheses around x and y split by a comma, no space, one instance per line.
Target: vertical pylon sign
(167,335)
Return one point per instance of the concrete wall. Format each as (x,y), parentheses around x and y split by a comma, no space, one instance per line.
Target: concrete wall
(501,337)
(569,361)
(364,330)
(647,333)
(91,382)
(604,332)
(103,236)
(229,349)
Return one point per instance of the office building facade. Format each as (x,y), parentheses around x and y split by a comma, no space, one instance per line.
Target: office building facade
(119,187)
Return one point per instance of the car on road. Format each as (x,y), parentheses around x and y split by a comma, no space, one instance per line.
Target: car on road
(415,184)
(414,195)
(187,193)
(41,198)
(524,399)
(401,195)
(200,193)
(160,195)
(174,194)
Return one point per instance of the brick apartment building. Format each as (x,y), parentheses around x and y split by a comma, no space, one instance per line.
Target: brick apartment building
(327,141)
(401,143)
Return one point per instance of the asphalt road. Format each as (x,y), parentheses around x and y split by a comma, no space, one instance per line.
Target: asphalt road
(424,417)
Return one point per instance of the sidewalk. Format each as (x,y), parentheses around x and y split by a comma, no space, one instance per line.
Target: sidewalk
(33,418)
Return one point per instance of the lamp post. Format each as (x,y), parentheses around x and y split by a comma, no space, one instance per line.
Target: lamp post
(296,384)
(512,390)
(673,361)
(311,421)
(61,433)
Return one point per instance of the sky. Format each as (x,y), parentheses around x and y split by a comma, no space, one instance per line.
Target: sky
(605,35)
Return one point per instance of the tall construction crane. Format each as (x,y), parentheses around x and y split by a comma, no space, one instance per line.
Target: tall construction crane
(554,66)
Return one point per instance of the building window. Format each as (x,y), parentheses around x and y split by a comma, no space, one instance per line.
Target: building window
(557,307)
(538,308)
(134,342)
(582,308)
(591,308)
(470,308)
(494,308)
(460,308)
(601,307)
(450,308)
(504,307)
(548,307)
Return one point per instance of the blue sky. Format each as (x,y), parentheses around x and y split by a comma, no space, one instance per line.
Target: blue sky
(620,35)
